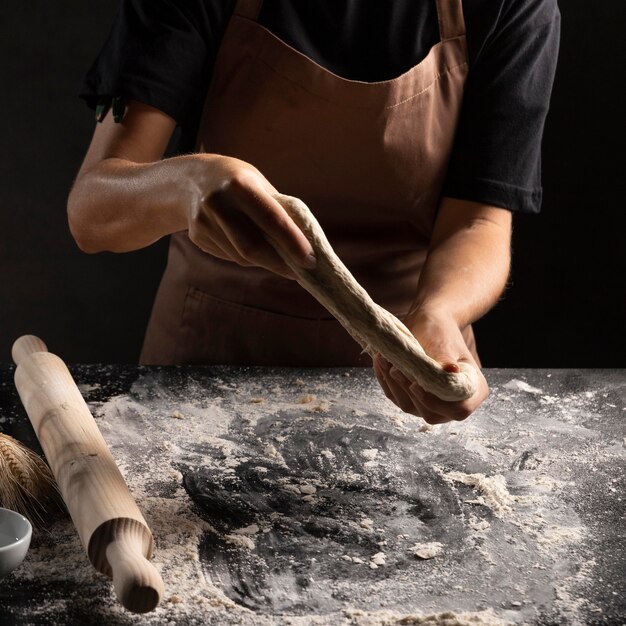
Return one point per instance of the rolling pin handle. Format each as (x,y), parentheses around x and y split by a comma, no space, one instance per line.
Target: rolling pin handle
(137,583)
(25,346)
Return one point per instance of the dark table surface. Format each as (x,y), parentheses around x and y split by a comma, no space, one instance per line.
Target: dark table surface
(272,494)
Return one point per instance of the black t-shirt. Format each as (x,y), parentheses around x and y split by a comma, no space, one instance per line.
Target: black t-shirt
(162,52)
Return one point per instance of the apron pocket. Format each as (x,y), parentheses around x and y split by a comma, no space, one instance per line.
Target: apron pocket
(218,332)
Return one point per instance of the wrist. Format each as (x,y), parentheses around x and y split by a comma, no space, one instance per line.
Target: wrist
(425,314)
(190,183)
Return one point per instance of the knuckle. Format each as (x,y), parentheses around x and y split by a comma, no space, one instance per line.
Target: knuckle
(219,197)
(234,183)
(240,180)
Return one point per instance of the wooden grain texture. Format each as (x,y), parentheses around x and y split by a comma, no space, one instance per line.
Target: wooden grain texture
(111,527)
(373,327)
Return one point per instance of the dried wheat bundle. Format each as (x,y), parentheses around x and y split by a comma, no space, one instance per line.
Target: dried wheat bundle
(26,482)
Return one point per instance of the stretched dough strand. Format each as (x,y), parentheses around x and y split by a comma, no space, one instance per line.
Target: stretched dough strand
(373,327)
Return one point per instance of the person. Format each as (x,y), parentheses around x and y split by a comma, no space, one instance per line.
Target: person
(412,130)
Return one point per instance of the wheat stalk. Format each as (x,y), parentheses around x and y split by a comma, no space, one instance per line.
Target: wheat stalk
(26,481)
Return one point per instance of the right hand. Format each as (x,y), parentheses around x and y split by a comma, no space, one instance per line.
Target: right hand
(443,341)
(232,213)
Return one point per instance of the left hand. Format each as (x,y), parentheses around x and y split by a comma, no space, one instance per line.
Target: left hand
(442,340)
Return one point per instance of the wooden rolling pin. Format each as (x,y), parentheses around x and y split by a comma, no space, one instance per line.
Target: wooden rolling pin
(111,527)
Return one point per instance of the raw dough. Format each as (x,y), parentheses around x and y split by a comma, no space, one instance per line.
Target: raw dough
(374,328)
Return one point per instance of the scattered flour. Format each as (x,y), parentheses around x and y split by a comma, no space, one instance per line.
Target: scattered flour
(253,529)
(271,451)
(398,421)
(291,488)
(520,385)
(378,559)
(320,407)
(369,453)
(448,618)
(191,594)
(553,534)
(241,541)
(568,605)
(492,488)
(479,525)
(307,399)
(427,550)
(85,389)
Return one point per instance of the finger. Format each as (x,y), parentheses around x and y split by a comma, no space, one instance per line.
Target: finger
(381,378)
(211,247)
(423,411)
(432,417)
(384,383)
(435,406)
(219,246)
(462,409)
(401,397)
(245,238)
(268,214)
(419,408)
(210,238)
(457,411)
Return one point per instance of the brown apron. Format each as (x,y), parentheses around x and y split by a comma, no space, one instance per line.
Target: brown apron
(367,158)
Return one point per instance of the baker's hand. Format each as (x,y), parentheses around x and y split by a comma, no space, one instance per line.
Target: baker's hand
(442,340)
(232,211)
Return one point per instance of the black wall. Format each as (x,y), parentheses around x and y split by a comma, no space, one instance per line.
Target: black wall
(565,306)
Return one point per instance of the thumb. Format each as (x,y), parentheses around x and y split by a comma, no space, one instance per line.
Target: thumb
(450,366)
(447,361)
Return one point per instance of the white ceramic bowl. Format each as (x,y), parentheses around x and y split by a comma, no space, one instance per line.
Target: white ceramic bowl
(15,533)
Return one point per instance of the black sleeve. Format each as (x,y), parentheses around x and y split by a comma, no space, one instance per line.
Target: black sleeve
(497,153)
(159,52)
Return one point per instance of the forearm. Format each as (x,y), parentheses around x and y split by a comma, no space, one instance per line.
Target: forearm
(119,205)
(468,264)
(126,196)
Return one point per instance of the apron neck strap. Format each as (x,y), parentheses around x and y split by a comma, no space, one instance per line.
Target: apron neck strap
(249,9)
(449,13)
(451,20)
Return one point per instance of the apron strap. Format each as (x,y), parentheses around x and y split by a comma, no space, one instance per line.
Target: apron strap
(451,20)
(249,9)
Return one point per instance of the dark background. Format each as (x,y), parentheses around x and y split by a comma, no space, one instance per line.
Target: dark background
(565,303)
